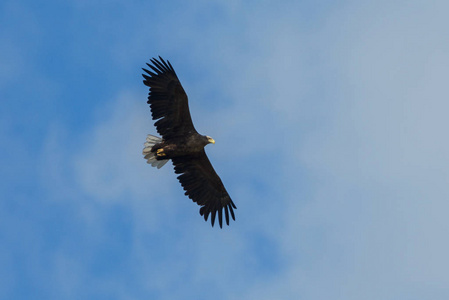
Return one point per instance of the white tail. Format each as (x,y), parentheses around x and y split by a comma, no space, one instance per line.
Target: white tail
(151,156)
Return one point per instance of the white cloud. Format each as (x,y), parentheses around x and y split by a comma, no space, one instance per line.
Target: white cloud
(338,157)
(381,160)
(110,167)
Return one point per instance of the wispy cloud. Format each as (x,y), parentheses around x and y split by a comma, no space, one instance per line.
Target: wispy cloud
(330,138)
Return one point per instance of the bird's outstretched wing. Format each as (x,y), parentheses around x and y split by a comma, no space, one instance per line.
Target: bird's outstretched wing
(168,100)
(203,186)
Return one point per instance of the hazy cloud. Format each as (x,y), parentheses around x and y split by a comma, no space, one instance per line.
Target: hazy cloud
(330,129)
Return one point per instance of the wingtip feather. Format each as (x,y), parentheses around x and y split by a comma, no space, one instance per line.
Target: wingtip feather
(220,217)
(227,215)
(232,212)
(212,217)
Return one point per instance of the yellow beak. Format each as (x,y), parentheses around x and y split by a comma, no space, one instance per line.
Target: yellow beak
(211,140)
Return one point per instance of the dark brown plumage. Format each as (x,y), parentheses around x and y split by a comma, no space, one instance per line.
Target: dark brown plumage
(182,143)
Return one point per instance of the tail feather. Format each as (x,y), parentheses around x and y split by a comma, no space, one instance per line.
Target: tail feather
(151,156)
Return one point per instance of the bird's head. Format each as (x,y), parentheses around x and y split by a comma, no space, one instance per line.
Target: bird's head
(210,140)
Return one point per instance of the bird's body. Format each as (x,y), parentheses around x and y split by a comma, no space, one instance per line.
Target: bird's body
(182,144)
(186,145)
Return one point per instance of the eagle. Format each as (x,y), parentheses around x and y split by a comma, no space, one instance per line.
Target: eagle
(181,143)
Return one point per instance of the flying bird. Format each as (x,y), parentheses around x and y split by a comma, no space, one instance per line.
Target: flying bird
(182,144)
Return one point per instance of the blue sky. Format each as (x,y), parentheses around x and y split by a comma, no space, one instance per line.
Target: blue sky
(330,121)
